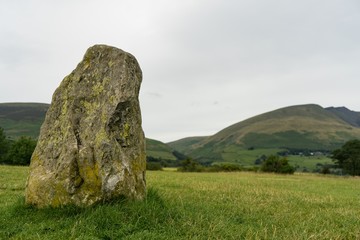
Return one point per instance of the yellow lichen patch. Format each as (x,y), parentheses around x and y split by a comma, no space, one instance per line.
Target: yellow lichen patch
(64,108)
(86,65)
(60,199)
(113,99)
(111,63)
(90,175)
(90,107)
(97,89)
(106,80)
(139,163)
(44,192)
(104,118)
(34,160)
(101,136)
(125,133)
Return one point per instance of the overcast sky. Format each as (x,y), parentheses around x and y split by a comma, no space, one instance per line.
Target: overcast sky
(206,63)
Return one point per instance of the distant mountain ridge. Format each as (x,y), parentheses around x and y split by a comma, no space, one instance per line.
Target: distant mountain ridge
(351,117)
(25,119)
(296,127)
(21,111)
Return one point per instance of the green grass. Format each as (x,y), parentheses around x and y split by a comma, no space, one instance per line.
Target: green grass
(309,162)
(196,206)
(246,157)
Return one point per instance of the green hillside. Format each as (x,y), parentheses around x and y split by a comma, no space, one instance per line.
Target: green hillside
(303,127)
(185,144)
(22,119)
(25,119)
(157,149)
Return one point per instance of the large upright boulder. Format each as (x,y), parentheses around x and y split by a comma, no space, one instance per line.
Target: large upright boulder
(91,146)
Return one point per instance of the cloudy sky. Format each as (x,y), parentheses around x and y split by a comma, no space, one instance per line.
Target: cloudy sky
(206,63)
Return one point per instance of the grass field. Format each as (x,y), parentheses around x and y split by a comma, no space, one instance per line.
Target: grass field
(196,206)
(247,157)
(309,162)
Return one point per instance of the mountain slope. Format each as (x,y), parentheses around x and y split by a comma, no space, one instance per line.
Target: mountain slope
(157,149)
(25,119)
(22,119)
(351,117)
(296,127)
(185,144)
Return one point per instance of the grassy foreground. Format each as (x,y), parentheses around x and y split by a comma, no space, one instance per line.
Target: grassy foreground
(196,206)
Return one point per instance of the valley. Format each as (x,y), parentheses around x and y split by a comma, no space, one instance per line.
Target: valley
(306,134)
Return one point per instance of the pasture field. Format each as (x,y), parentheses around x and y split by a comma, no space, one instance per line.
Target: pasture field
(309,162)
(247,157)
(196,206)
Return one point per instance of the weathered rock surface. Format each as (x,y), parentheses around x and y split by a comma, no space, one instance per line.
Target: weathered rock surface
(91,146)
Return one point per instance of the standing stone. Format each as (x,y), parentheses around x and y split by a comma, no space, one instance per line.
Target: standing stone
(91,146)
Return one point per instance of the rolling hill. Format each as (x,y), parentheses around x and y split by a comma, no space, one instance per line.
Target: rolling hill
(160,150)
(300,127)
(186,144)
(25,119)
(304,127)
(22,119)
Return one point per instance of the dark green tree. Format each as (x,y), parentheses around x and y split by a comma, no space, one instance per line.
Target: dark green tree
(21,150)
(153,166)
(4,146)
(189,165)
(348,157)
(278,165)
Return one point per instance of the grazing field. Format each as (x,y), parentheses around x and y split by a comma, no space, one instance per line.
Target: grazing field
(247,158)
(309,163)
(196,206)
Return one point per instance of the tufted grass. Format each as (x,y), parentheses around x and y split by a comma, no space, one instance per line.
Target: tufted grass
(196,206)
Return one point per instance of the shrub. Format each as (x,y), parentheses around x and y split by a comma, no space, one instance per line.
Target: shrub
(21,150)
(4,145)
(189,165)
(225,167)
(325,169)
(278,165)
(163,162)
(153,166)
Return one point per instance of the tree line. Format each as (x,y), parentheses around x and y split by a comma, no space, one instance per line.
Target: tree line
(16,152)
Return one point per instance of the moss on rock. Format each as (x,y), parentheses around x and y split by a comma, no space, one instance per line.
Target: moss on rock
(91,146)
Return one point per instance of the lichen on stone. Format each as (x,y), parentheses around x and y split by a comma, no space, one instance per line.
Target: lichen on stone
(91,146)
